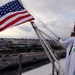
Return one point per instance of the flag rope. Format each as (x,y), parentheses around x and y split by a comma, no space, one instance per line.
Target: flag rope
(43,24)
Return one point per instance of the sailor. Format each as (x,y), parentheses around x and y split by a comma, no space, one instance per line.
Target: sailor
(69,44)
(72,62)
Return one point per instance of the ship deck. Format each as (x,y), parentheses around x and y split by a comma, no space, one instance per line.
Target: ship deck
(44,70)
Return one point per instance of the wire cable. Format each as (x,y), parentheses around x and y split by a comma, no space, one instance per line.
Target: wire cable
(45,26)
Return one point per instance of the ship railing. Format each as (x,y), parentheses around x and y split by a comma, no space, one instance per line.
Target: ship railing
(19,59)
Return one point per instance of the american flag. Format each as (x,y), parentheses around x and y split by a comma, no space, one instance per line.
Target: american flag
(12,14)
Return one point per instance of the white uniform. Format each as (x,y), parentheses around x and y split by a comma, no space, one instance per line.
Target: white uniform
(72,63)
(68,44)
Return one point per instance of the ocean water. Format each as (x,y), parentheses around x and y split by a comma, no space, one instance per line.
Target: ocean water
(44,70)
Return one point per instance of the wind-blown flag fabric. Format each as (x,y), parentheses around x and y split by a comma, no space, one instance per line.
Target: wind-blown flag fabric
(12,14)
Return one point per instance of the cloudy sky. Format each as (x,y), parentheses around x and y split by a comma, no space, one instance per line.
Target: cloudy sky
(58,15)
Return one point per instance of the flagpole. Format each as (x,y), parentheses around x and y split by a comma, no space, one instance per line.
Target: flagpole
(47,47)
(20,64)
(48,54)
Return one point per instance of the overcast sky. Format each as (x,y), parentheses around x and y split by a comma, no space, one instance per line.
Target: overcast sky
(58,15)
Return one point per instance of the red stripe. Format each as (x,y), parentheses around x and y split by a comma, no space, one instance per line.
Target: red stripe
(16,20)
(26,21)
(10,16)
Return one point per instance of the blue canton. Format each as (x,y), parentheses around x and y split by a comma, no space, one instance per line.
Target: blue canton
(12,6)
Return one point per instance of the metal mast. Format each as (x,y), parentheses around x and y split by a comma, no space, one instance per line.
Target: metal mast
(48,50)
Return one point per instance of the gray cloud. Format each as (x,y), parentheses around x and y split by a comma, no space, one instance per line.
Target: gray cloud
(58,15)
(25,28)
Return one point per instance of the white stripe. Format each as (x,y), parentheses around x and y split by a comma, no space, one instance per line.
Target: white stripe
(21,21)
(8,14)
(13,18)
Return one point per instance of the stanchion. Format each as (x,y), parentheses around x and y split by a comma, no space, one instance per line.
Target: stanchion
(53,65)
(20,64)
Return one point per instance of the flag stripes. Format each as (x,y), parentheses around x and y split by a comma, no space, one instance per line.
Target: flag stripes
(14,18)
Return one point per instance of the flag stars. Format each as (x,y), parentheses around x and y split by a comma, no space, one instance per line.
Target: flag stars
(10,7)
(4,12)
(3,9)
(0,10)
(6,9)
